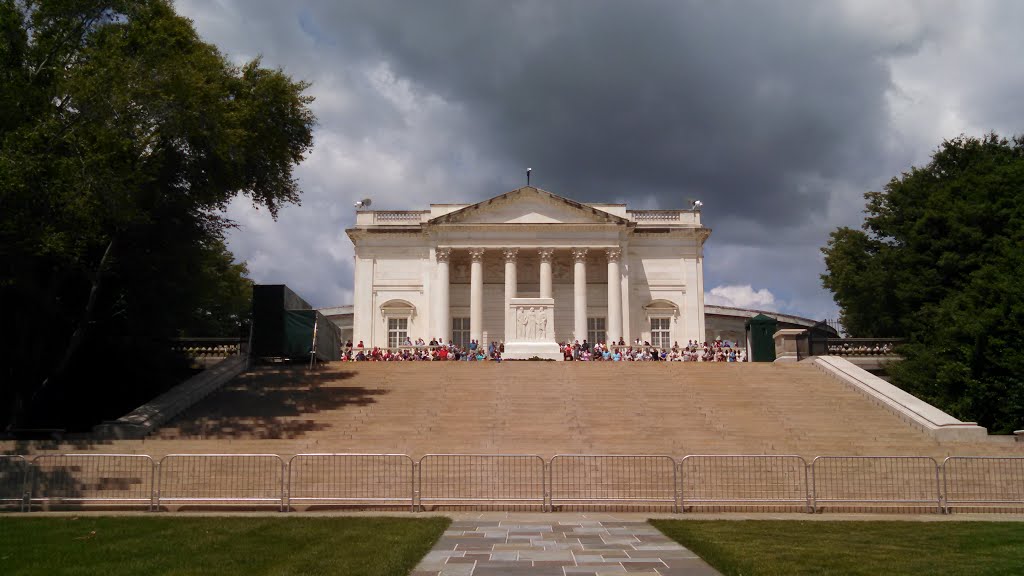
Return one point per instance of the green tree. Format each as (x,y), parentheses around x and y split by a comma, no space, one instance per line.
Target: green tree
(940,262)
(123,136)
(225,294)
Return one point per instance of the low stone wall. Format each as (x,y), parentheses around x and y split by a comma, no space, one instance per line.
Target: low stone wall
(908,407)
(150,416)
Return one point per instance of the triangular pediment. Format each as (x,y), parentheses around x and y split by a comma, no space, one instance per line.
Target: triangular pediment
(529,205)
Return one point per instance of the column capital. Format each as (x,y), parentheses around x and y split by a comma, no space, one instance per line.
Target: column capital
(579,254)
(510,254)
(443,254)
(477,254)
(613,254)
(545,254)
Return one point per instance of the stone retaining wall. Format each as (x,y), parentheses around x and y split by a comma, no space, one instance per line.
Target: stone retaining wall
(150,416)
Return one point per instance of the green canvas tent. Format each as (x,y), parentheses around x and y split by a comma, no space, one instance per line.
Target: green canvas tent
(283,326)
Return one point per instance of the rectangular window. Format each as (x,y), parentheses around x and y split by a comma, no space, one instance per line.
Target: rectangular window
(661,335)
(595,330)
(398,328)
(460,332)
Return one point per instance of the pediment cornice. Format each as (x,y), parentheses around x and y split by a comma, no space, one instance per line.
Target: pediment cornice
(560,205)
(528,227)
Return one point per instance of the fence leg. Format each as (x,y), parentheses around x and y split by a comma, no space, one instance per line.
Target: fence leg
(545,482)
(417,485)
(681,479)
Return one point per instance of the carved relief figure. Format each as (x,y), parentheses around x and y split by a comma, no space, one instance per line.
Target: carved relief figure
(543,324)
(521,323)
(532,324)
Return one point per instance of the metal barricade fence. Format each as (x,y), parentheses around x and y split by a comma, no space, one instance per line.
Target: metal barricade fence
(13,480)
(351,479)
(221,478)
(880,480)
(92,478)
(612,479)
(979,481)
(493,479)
(710,480)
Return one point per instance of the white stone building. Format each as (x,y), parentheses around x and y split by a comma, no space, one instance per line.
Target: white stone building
(458,271)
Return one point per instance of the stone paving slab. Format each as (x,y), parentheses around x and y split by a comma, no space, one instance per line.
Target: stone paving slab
(559,547)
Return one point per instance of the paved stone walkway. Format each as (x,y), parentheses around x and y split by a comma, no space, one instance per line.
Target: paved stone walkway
(558,548)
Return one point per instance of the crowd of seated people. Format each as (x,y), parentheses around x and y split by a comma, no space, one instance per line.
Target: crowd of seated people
(420,350)
(638,351)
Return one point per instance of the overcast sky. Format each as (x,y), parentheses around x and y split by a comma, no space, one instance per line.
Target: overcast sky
(777,115)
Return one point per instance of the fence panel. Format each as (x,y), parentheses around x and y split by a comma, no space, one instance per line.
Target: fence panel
(979,481)
(13,478)
(708,480)
(247,479)
(882,480)
(351,479)
(608,479)
(472,479)
(92,478)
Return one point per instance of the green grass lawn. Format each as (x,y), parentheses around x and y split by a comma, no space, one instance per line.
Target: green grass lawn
(762,547)
(243,546)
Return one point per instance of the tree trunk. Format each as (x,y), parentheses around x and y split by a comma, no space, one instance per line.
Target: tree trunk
(79,334)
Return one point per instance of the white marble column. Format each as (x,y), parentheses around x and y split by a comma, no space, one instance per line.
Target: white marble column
(579,292)
(476,295)
(511,287)
(442,314)
(545,271)
(614,325)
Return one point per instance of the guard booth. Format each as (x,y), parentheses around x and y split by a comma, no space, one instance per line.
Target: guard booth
(761,338)
(284,325)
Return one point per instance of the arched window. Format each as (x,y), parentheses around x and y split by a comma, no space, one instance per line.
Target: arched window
(397,314)
(661,314)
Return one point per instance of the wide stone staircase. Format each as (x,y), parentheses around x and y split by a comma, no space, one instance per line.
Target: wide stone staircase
(651,415)
(543,408)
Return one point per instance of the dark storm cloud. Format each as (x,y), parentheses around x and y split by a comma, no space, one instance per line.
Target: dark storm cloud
(733,103)
(779,116)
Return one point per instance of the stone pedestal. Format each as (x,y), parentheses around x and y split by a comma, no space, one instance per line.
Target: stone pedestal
(789,347)
(531,330)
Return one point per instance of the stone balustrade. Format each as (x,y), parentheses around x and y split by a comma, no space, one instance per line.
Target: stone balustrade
(205,352)
(664,216)
(864,346)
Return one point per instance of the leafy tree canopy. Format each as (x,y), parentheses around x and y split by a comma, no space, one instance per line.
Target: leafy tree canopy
(123,136)
(940,262)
